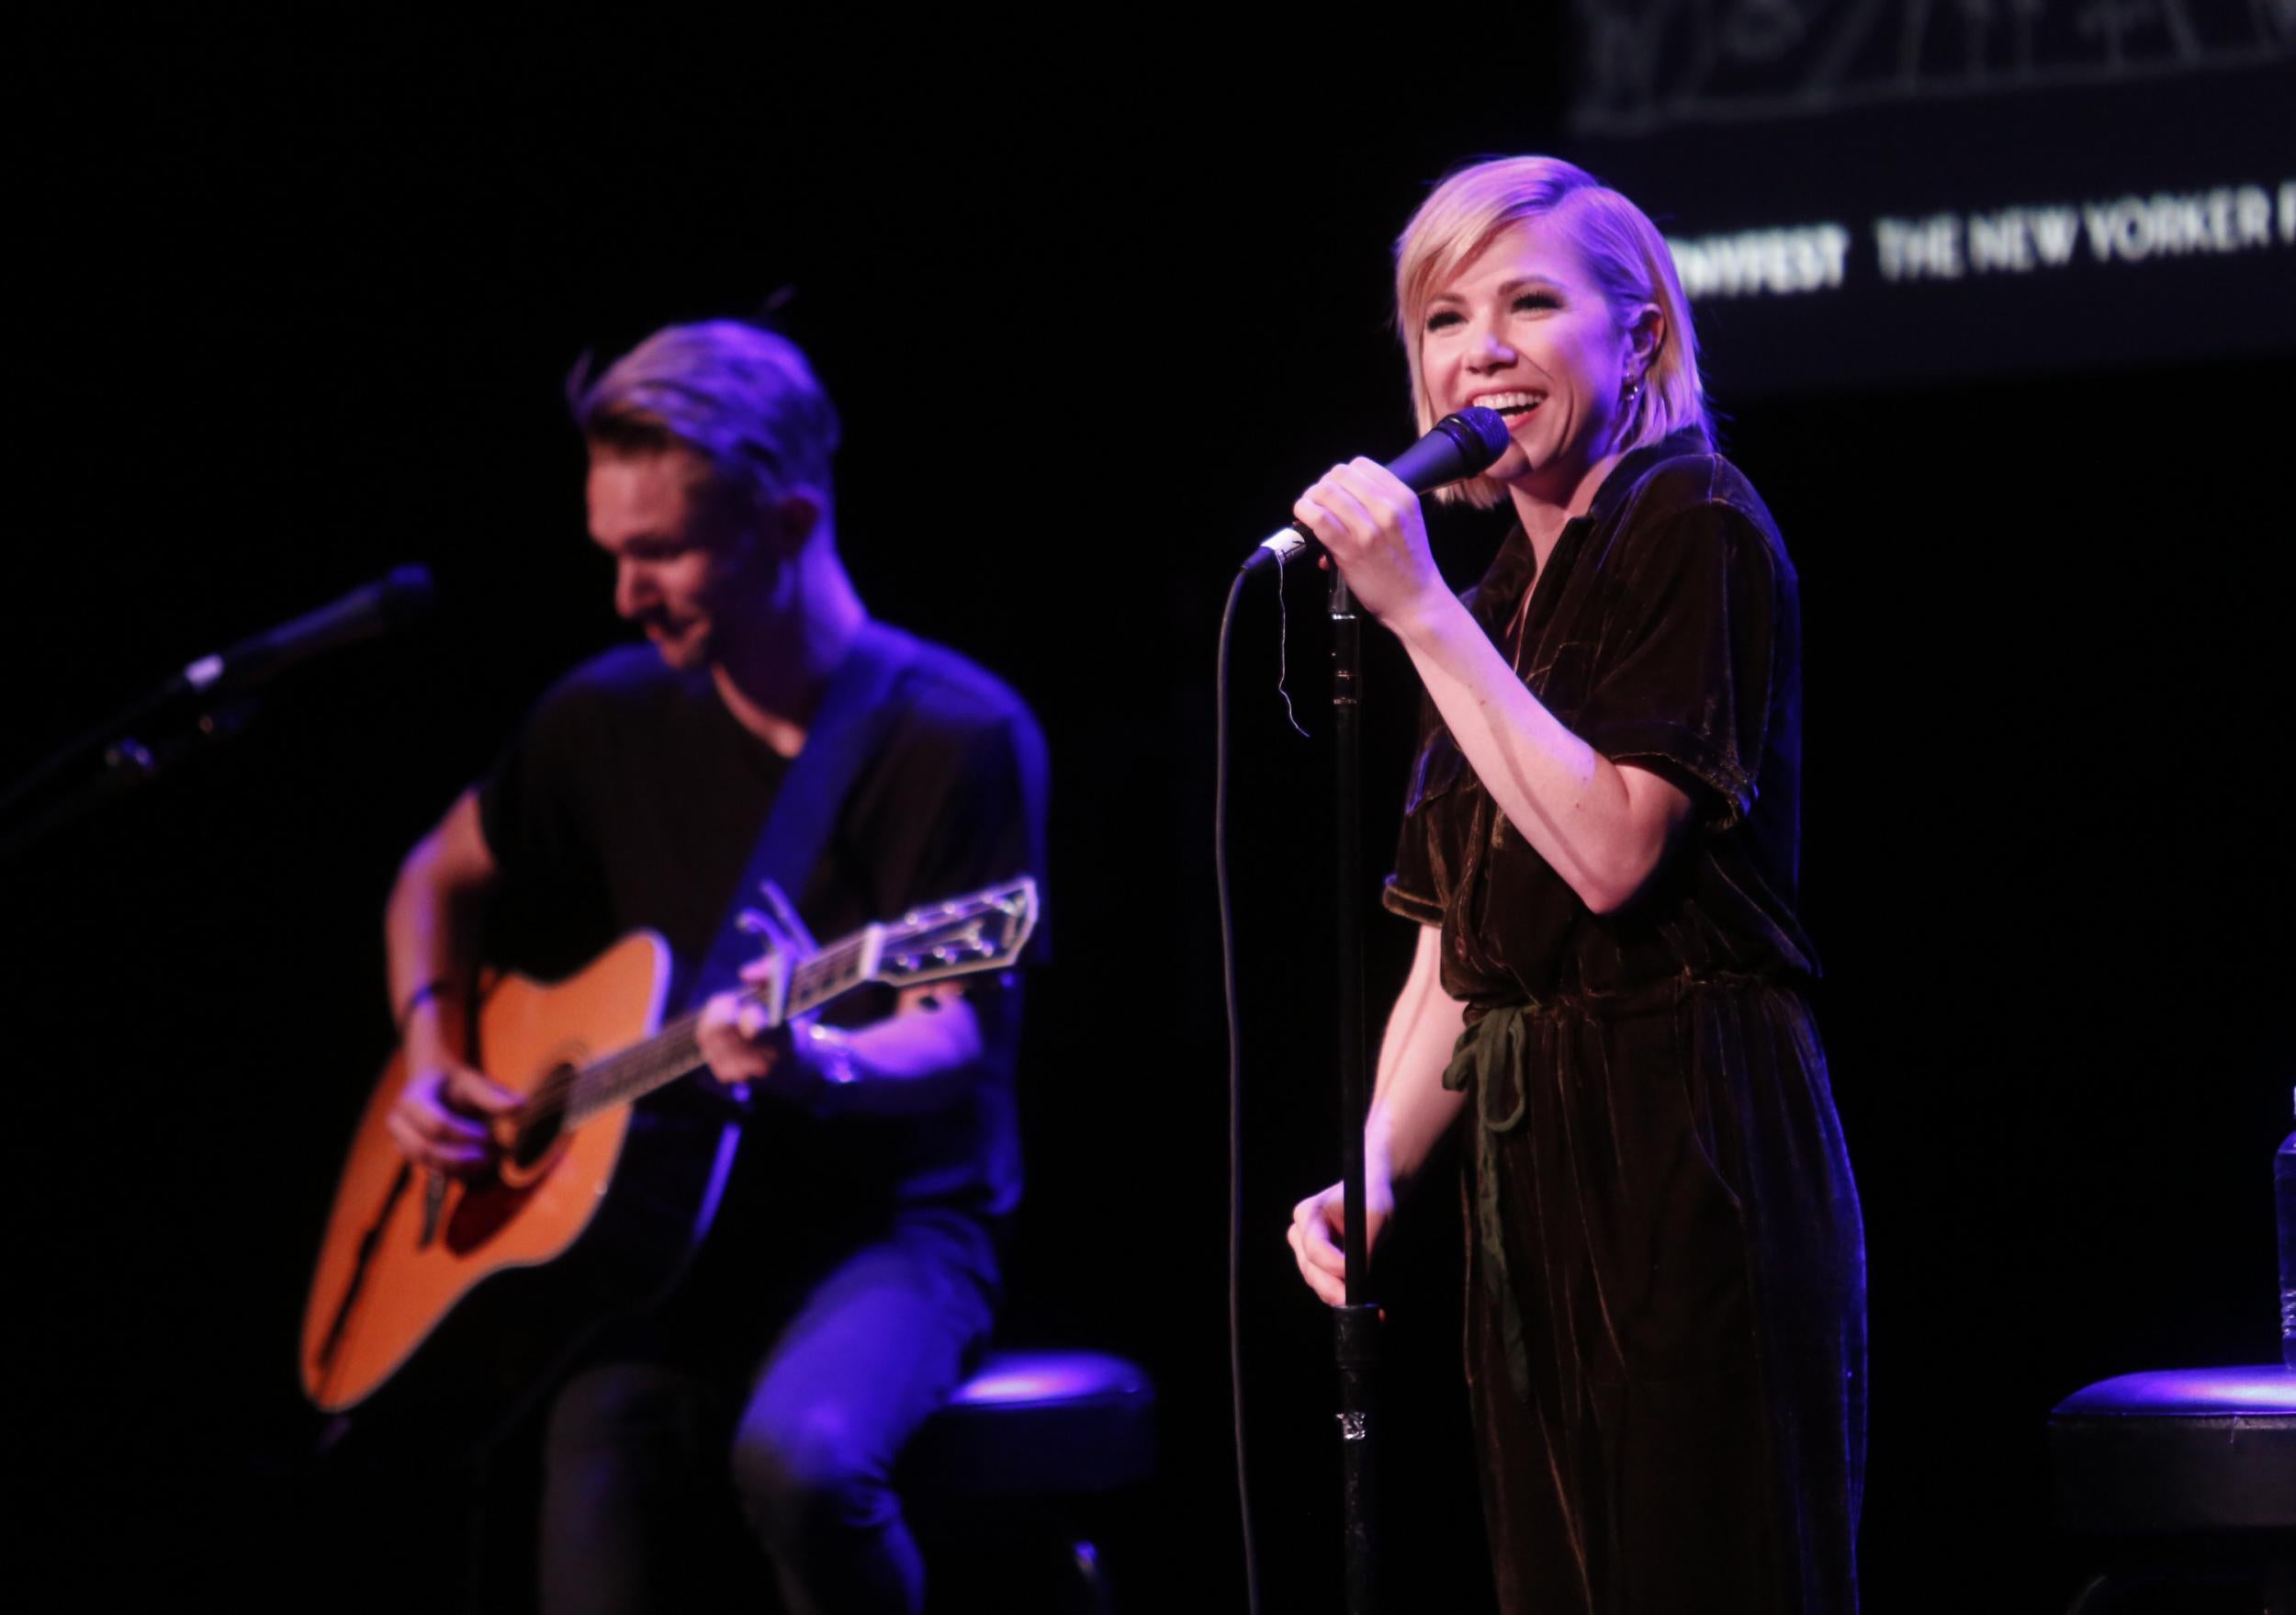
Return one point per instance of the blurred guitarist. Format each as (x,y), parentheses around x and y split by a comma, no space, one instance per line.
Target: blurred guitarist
(852,1267)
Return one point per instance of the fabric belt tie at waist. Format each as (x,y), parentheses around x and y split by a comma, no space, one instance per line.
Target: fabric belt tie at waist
(1496,1052)
(1496,1045)
(1493,1045)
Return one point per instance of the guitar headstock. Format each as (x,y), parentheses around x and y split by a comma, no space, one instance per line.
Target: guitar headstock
(983,931)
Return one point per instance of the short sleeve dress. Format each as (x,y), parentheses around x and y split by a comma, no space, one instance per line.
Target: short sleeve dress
(1665,1308)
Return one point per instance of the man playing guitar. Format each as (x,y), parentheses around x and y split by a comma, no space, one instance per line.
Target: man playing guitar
(852,1268)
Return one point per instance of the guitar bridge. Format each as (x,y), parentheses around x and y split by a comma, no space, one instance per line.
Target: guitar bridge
(434,1208)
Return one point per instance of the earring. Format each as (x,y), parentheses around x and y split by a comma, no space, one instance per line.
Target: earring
(1634,391)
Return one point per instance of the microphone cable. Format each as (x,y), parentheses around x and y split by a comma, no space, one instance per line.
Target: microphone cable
(1460,445)
(1235,1092)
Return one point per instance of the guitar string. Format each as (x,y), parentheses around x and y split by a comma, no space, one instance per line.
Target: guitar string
(570,1096)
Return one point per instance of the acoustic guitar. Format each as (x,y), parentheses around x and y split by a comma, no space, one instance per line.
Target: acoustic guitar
(595,1204)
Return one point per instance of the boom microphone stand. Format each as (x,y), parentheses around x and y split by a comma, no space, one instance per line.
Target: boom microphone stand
(202,704)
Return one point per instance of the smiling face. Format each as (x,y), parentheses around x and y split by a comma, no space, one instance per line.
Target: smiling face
(685,569)
(1523,328)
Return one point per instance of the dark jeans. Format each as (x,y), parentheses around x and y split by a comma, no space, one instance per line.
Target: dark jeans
(666,1431)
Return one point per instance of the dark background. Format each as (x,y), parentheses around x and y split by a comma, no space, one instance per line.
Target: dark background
(300,311)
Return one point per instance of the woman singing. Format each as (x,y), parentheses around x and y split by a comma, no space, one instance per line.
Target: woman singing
(1665,1299)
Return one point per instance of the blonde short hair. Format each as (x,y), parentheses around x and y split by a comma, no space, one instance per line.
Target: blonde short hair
(1621,248)
(741,396)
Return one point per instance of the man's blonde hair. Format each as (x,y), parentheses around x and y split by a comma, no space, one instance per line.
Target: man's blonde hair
(741,396)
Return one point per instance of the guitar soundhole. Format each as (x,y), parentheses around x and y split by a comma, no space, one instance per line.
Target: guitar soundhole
(542,1125)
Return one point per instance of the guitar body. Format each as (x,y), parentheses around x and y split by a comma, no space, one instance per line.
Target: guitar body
(607,1184)
(511,1267)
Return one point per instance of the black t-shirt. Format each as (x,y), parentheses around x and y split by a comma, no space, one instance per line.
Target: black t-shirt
(634,800)
(1666,632)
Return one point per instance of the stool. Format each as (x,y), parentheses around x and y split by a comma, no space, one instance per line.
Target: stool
(2183,1471)
(1014,1476)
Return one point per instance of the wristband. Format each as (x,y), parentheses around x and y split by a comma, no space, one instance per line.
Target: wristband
(435,988)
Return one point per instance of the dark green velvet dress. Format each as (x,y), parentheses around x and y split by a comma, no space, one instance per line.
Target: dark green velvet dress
(1665,1308)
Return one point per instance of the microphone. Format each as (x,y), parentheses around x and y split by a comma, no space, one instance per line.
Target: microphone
(1458,446)
(380,607)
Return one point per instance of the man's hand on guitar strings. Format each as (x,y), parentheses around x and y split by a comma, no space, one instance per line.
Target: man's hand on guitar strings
(742,1035)
(739,1037)
(442,1119)
(802,1062)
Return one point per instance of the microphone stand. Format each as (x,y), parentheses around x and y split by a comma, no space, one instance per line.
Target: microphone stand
(129,751)
(199,704)
(1460,444)
(1356,1339)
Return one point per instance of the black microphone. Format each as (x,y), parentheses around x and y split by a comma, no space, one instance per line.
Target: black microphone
(380,607)
(1458,446)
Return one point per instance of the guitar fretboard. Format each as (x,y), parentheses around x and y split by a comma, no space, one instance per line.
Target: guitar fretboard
(573,1098)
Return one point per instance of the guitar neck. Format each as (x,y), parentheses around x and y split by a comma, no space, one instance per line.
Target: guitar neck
(675,1052)
(983,931)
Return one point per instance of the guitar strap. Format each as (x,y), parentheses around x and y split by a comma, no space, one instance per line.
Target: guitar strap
(856,711)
